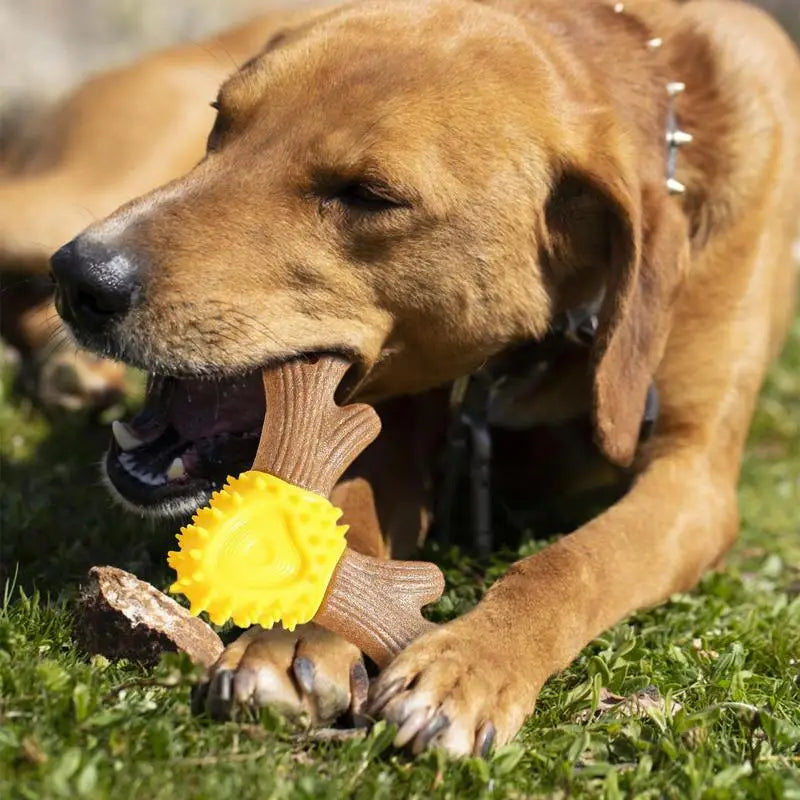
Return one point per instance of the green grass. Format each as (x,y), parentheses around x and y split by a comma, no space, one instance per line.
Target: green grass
(728,653)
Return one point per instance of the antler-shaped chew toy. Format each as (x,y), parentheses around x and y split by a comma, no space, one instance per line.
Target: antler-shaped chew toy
(268,548)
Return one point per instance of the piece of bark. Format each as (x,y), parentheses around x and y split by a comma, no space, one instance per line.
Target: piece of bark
(120,616)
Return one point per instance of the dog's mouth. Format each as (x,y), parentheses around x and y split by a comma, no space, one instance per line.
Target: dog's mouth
(191,434)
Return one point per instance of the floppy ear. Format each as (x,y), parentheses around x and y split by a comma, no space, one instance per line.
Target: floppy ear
(641,235)
(645,272)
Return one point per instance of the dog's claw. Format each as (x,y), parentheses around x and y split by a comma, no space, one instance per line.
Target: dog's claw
(484,740)
(304,672)
(435,725)
(225,685)
(409,729)
(359,691)
(385,694)
(220,694)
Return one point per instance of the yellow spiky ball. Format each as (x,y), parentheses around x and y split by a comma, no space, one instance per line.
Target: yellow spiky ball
(263,551)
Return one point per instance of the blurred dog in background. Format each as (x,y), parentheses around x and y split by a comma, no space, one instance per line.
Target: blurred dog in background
(116,136)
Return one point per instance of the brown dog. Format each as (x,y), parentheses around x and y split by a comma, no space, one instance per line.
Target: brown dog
(423,186)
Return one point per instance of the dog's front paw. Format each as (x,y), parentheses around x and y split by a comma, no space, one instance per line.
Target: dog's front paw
(454,688)
(309,674)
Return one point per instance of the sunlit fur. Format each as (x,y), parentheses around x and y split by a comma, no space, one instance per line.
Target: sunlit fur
(526,140)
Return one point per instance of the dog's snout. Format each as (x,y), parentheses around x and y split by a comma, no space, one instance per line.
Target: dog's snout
(95,285)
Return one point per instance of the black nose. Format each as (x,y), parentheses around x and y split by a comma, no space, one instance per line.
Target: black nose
(95,286)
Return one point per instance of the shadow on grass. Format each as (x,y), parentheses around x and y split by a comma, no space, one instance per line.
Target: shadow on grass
(56,520)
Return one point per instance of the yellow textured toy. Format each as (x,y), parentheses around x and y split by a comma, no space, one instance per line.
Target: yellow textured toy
(263,551)
(268,547)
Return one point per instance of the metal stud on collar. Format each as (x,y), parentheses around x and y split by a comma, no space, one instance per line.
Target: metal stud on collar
(675,138)
(674,186)
(679,138)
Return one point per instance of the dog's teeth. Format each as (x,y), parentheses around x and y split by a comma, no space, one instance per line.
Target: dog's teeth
(129,464)
(125,437)
(126,460)
(176,469)
(150,480)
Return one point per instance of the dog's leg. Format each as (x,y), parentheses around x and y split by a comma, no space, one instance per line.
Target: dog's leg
(475,679)
(478,677)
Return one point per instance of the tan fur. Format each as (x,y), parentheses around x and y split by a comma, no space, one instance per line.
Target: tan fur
(525,140)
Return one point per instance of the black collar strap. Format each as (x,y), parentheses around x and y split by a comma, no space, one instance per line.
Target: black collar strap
(469,437)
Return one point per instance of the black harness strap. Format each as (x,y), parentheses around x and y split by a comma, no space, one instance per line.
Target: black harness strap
(469,438)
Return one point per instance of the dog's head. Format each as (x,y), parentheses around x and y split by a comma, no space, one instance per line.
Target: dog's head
(413,186)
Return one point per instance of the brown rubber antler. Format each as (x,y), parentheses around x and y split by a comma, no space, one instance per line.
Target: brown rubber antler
(310,441)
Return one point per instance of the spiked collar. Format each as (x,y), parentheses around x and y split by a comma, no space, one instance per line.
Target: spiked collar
(675,138)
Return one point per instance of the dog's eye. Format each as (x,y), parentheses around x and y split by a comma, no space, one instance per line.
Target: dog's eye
(363,196)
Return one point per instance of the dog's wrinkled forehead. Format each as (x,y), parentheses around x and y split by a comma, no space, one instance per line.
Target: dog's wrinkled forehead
(372,61)
(399,88)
